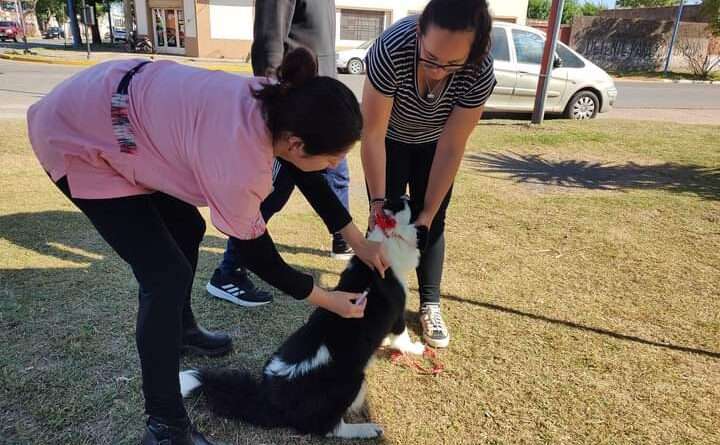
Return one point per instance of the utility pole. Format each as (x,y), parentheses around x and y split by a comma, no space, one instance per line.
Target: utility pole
(21,19)
(672,39)
(88,20)
(547,60)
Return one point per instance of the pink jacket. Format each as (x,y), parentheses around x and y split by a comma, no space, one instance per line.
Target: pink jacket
(200,137)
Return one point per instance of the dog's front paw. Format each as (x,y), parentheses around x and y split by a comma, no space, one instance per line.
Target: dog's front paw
(403,343)
(415,348)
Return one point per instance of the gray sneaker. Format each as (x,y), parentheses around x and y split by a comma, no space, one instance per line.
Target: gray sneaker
(435,332)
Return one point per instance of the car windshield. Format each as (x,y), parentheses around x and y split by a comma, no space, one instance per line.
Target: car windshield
(367,44)
(6,23)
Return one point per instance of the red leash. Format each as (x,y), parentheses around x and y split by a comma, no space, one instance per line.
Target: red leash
(430,355)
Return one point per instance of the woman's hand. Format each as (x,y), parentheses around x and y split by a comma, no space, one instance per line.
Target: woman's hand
(373,254)
(376,207)
(423,219)
(341,303)
(370,252)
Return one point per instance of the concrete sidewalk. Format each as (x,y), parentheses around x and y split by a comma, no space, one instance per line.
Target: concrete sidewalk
(75,57)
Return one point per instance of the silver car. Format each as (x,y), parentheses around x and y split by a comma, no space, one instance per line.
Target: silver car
(578,88)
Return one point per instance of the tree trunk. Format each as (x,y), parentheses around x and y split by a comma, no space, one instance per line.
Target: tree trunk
(74,25)
(95,29)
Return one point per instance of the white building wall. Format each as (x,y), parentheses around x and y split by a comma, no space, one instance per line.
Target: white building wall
(395,10)
(510,8)
(398,9)
(141,12)
(231,19)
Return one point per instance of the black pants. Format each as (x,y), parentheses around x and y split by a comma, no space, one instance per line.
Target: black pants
(409,165)
(159,237)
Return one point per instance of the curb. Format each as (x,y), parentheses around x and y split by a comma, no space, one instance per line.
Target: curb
(87,63)
(688,81)
(40,59)
(655,80)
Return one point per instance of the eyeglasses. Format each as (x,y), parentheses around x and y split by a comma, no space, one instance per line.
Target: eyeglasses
(449,68)
(429,64)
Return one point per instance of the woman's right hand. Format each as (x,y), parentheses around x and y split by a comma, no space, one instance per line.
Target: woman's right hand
(376,207)
(339,302)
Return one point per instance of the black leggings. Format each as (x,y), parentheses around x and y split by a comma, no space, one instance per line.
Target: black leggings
(409,165)
(159,237)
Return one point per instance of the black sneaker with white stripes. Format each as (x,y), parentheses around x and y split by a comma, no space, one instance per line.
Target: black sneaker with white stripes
(340,248)
(237,288)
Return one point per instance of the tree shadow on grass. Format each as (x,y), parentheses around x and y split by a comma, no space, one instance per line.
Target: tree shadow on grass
(578,326)
(536,169)
(216,242)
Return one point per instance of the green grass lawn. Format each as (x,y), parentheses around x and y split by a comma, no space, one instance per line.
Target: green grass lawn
(582,290)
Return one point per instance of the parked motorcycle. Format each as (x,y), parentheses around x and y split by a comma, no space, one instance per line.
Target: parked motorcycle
(140,44)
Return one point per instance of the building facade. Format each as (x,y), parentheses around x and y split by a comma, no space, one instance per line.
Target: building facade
(224,28)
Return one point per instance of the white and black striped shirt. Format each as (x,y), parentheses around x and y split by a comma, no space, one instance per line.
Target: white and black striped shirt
(391,68)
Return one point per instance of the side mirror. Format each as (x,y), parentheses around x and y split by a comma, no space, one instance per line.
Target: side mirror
(557,61)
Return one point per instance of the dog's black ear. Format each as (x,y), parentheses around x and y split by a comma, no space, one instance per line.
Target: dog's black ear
(422,237)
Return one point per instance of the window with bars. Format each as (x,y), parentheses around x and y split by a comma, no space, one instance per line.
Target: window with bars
(361,25)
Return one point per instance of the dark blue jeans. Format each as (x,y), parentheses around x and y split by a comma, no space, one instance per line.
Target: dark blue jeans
(283,186)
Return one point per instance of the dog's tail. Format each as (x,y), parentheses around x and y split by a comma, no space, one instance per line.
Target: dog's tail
(230,393)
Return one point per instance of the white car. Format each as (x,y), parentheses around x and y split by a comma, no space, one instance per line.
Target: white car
(578,88)
(352,61)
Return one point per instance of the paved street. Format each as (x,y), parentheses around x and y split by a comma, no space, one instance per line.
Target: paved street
(23,83)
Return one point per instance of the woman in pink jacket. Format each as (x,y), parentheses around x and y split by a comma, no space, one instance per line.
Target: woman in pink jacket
(138,146)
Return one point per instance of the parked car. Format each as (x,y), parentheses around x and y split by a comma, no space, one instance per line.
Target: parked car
(352,61)
(578,88)
(119,35)
(54,32)
(10,31)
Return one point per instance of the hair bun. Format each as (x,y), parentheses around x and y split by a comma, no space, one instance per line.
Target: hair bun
(298,67)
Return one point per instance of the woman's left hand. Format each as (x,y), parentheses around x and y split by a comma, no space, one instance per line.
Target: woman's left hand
(373,254)
(370,252)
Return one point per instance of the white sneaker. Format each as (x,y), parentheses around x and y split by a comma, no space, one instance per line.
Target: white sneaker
(435,332)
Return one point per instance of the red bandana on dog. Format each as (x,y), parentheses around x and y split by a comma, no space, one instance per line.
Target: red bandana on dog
(385,222)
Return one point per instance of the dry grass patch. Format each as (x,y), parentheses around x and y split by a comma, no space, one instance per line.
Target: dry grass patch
(581,289)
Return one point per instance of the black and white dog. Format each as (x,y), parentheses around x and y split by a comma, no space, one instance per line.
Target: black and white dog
(318,374)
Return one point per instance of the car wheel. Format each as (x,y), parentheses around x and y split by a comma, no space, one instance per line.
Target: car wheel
(583,105)
(355,66)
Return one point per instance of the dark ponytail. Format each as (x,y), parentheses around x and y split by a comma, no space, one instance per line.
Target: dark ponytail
(320,110)
(461,15)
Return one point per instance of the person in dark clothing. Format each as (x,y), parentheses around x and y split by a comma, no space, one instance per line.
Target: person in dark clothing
(280,26)
(428,78)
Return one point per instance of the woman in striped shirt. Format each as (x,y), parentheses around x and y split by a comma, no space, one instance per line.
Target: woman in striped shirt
(428,78)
